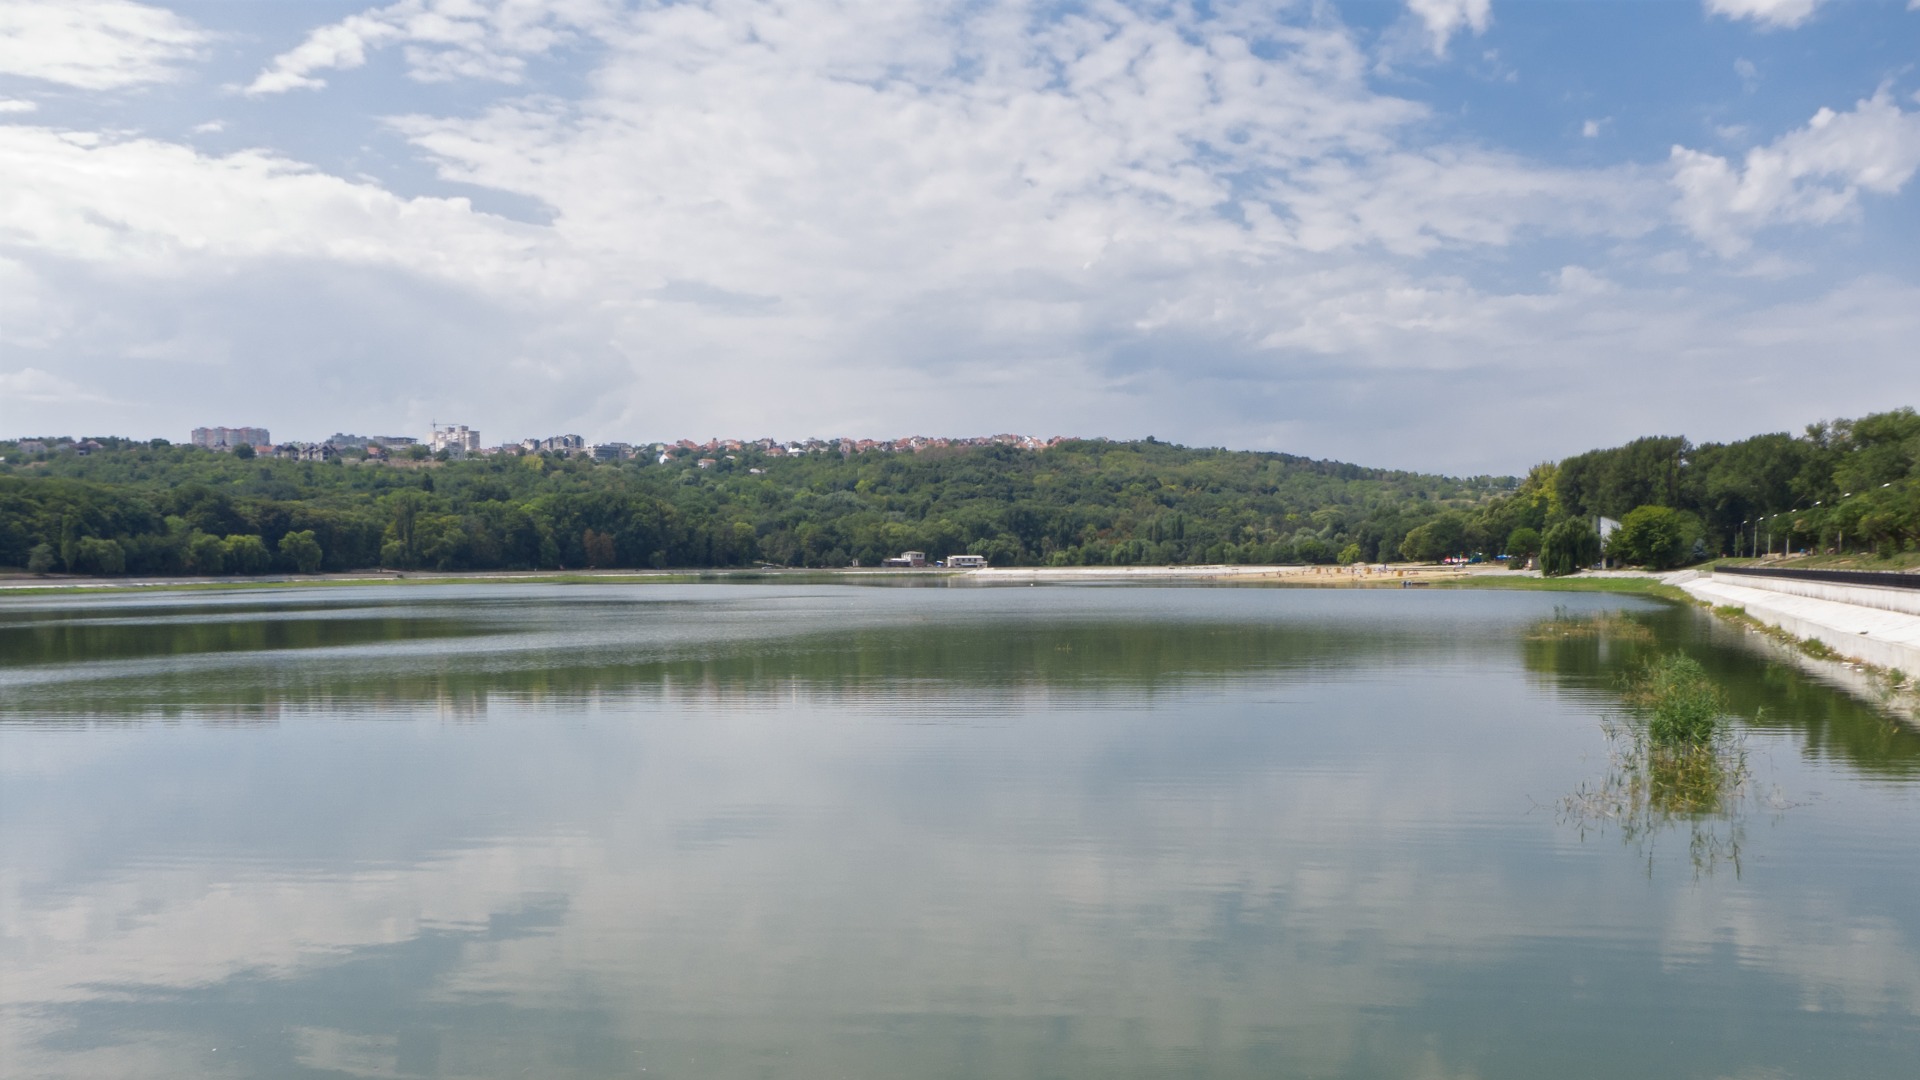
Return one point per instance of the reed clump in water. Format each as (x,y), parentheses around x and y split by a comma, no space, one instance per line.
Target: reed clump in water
(1683,706)
(1616,625)
(1674,764)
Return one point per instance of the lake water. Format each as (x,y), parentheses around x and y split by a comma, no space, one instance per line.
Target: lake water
(831,831)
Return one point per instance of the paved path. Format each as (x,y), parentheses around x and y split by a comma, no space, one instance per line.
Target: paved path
(1889,639)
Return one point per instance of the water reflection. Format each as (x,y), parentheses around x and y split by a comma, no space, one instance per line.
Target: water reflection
(467,648)
(1684,774)
(1114,834)
(1768,696)
(1651,792)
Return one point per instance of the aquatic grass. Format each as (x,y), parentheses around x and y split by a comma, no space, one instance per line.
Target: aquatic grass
(1675,765)
(1683,706)
(1616,625)
(1815,648)
(1653,788)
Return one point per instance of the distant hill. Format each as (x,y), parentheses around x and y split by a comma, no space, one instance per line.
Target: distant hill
(140,508)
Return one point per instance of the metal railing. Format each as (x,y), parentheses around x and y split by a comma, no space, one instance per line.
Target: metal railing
(1881,578)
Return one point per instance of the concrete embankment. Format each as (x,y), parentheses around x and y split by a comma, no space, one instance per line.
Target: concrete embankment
(1877,626)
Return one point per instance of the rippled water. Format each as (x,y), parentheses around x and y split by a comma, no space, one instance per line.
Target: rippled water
(766,831)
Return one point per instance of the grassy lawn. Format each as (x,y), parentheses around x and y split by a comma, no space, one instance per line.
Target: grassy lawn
(1633,586)
(1576,583)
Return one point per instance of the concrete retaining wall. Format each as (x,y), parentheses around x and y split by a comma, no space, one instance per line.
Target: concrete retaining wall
(1886,654)
(1905,600)
(1880,636)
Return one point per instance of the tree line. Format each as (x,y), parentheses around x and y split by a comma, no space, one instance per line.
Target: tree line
(1839,486)
(150,508)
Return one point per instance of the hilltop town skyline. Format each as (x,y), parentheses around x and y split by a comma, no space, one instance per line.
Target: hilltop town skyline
(462,440)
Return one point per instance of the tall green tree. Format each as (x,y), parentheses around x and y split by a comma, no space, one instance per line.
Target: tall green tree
(1568,548)
(302,551)
(1659,537)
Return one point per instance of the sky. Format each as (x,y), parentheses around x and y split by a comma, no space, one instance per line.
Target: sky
(1449,235)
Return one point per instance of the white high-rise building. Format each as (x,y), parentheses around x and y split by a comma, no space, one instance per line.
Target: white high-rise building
(456,437)
(226,438)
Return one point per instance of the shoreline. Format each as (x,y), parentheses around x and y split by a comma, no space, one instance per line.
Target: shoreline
(1392,575)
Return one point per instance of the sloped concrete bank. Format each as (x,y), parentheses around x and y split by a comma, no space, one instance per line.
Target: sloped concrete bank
(1858,622)
(1904,600)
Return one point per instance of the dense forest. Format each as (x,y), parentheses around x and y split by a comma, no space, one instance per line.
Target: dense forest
(151,508)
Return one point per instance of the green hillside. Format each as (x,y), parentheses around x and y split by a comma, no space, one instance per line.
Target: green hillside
(139,508)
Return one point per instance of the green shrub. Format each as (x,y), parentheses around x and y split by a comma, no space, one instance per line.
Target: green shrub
(206,554)
(1312,549)
(246,554)
(95,556)
(1436,539)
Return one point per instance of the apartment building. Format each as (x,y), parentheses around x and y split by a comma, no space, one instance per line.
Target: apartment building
(226,438)
(455,437)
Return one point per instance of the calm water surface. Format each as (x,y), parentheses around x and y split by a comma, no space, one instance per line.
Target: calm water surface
(820,831)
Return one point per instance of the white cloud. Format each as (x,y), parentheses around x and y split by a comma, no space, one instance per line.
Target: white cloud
(1445,18)
(1810,176)
(1768,13)
(143,205)
(1591,129)
(1749,74)
(341,45)
(1118,222)
(1100,143)
(33,386)
(16,105)
(444,39)
(1101,190)
(31,315)
(95,44)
